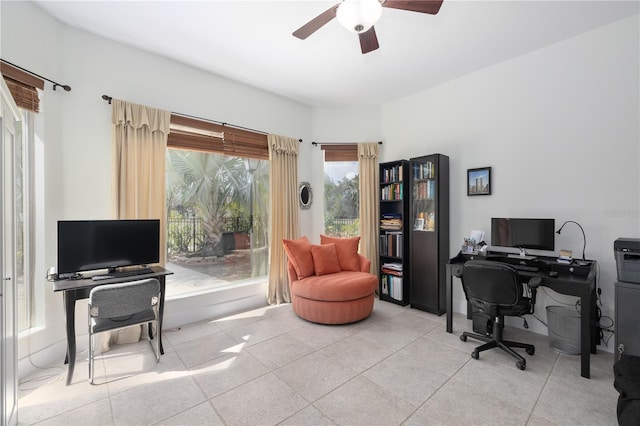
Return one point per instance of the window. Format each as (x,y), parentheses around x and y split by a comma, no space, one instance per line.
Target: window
(24,90)
(217,200)
(22,168)
(341,198)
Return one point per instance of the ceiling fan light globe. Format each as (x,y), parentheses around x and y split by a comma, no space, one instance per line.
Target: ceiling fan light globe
(358,16)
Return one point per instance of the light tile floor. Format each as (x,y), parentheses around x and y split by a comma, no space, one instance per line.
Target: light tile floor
(268,367)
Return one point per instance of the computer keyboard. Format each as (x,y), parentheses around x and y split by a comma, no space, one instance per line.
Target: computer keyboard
(123,274)
(526,268)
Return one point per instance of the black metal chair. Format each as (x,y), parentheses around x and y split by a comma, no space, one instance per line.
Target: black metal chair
(494,290)
(116,306)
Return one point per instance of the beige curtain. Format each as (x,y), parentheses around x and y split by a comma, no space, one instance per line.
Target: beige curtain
(138,177)
(369,202)
(283,186)
(139,158)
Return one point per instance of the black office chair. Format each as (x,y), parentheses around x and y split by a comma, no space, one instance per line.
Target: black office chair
(494,290)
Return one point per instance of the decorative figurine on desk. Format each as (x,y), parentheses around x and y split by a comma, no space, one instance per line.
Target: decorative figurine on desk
(471,247)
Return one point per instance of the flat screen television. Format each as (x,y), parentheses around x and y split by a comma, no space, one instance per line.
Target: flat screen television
(86,245)
(536,234)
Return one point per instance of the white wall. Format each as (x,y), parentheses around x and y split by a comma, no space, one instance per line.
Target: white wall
(76,133)
(560,129)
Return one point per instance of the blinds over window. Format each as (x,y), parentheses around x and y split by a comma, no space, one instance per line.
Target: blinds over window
(22,86)
(200,135)
(340,152)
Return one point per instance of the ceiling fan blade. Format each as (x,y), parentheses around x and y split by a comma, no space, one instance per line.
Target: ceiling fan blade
(316,23)
(423,6)
(368,41)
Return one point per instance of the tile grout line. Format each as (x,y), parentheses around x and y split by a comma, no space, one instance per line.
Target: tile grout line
(543,387)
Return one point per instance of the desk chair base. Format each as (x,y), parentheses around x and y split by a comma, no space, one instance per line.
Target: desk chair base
(497,342)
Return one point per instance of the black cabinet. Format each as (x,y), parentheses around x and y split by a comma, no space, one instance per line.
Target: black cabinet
(627,337)
(429,235)
(393,232)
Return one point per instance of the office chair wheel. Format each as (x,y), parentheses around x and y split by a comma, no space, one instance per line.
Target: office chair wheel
(475,354)
(531,351)
(521,365)
(463,337)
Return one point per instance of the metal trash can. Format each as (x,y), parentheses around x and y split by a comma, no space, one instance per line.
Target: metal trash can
(564,329)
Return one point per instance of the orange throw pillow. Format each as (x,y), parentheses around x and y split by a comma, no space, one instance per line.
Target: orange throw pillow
(299,253)
(325,259)
(347,251)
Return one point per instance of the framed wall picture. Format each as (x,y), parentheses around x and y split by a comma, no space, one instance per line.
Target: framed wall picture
(479,181)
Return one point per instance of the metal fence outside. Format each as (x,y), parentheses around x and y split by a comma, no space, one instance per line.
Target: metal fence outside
(187,235)
(343,227)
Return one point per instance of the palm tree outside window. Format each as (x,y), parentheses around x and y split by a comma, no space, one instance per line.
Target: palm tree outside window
(217,208)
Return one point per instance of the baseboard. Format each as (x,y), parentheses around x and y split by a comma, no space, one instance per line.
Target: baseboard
(214,303)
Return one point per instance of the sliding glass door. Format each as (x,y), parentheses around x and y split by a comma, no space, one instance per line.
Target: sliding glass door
(9,121)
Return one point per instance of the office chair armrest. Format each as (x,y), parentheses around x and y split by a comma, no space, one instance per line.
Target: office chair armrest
(535,282)
(458,273)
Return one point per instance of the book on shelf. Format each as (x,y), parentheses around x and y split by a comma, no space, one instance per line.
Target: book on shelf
(425,190)
(397,288)
(392,286)
(391,221)
(392,272)
(391,216)
(393,174)
(394,266)
(391,192)
(424,171)
(391,243)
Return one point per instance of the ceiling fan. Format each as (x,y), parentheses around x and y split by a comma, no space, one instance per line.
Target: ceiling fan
(359,16)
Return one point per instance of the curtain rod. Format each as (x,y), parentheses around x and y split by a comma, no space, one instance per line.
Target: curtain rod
(337,143)
(64,86)
(109,99)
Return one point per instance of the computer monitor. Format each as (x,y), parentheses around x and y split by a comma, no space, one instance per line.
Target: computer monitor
(523,233)
(86,245)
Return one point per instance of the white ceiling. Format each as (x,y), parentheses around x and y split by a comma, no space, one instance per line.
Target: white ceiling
(251,41)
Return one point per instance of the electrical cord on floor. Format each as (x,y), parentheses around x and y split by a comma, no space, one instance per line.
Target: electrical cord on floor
(38,379)
(607,328)
(578,306)
(604,339)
